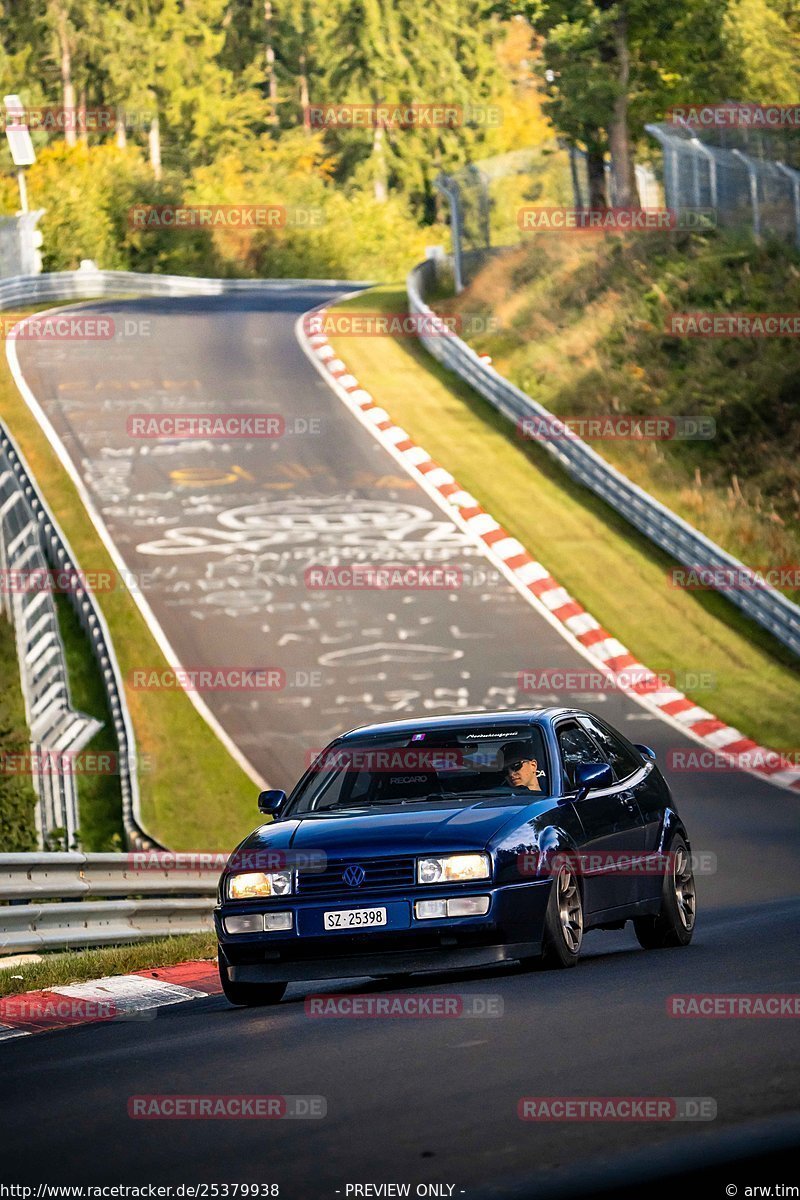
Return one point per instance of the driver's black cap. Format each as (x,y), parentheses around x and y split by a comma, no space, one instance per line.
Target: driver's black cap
(516,752)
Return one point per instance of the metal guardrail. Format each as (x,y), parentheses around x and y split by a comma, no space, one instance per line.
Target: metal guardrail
(90,283)
(773,611)
(56,729)
(32,927)
(163,894)
(41,650)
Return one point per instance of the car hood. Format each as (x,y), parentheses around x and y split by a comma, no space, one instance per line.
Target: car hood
(394,830)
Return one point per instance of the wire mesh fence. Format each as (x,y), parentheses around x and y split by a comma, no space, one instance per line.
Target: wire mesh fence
(746,190)
(741,177)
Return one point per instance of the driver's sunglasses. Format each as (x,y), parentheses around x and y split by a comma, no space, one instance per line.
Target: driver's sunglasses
(515,766)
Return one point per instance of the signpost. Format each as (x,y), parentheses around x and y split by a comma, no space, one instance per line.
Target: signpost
(19,143)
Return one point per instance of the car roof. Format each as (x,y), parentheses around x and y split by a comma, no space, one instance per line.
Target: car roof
(477,720)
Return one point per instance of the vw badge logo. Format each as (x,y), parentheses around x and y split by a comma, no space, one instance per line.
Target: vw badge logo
(354,876)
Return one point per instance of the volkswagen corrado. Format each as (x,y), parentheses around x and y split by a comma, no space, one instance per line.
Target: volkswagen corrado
(447,843)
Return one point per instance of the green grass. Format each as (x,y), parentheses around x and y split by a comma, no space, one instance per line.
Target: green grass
(17,797)
(75,966)
(583,331)
(194,796)
(99,796)
(613,571)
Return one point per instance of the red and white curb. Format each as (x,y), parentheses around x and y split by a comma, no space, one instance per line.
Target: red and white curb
(532,579)
(114,998)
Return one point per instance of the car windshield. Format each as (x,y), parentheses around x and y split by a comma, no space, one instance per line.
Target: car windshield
(426,767)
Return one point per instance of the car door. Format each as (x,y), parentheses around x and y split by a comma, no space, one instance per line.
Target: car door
(610,819)
(638,774)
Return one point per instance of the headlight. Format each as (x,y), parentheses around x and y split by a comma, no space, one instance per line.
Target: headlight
(455,868)
(257,884)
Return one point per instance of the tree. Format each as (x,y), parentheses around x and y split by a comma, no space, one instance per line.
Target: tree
(423,52)
(763,38)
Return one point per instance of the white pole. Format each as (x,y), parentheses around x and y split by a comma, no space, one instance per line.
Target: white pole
(23,191)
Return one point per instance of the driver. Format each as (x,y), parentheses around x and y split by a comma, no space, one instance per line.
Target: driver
(520,768)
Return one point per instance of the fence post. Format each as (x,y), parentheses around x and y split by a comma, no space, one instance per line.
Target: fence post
(712,170)
(751,171)
(449,187)
(794,178)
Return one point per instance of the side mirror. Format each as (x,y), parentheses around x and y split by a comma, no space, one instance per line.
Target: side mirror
(647,751)
(271,801)
(592,776)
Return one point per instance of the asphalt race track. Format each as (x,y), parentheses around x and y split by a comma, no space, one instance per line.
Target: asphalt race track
(221,534)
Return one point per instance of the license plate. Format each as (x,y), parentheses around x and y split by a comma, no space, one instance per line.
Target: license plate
(354,918)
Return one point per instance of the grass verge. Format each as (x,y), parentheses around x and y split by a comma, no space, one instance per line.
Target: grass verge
(99,796)
(613,571)
(194,796)
(17,797)
(585,328)
(76,966)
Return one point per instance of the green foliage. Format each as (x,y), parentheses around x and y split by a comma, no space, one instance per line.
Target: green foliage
(87,193)
(223,77)
(17,797)
(764,39)
(328,230)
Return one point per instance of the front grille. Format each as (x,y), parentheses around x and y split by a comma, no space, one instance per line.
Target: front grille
(380,874)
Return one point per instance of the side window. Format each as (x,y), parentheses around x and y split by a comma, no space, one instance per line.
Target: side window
(342,787)
(576,747)
(623,760)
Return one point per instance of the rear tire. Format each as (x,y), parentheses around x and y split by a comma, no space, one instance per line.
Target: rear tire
(249,995)
(674,924)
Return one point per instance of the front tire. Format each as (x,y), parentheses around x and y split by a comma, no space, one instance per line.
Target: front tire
(249,995)
(562,936)
(674,924)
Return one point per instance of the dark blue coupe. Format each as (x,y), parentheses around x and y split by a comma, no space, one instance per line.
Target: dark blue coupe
(447,843)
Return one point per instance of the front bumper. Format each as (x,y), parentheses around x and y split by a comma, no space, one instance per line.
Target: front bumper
(511,929)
